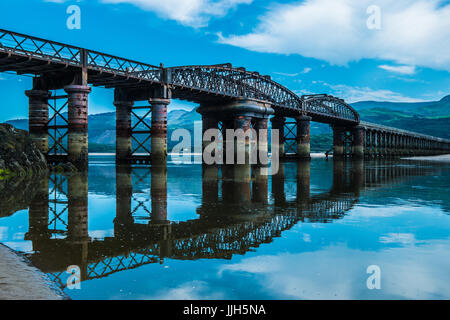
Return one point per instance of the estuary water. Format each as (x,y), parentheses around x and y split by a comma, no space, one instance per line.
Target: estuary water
(315,230)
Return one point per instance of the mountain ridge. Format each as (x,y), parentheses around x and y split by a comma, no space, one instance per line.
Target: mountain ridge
(432,118)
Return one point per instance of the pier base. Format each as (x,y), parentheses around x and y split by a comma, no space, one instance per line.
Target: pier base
(78,124)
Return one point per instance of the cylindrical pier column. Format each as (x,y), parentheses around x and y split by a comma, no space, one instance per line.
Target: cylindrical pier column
(210,123)
(38,118)
(261,126)
(242,151)
(358,142)
(338,142)
(159,130)
(303,137)
(78,124)
(278,124)
(123,130)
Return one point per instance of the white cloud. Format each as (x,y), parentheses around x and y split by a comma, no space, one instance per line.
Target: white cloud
(413,32)
(407,272)
(306,70)
(287,74)
(195,13)
(399,69)
(354,94)
(400,238)
(192,290)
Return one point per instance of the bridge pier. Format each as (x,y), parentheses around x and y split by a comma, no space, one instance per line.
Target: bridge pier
(123,130)
(209,122)
(159,130)
(78,124)
(262,135)
(338,142)
(241,147)
(303,137)
(247,119)
(38,118)
(358,142)
(278,123)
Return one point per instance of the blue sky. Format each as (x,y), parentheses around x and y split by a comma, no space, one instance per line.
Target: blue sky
(311,46)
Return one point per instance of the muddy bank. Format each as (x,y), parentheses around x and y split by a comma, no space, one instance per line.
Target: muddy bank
(21,281)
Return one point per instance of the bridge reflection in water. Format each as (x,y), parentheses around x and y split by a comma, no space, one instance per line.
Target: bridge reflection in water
(241,209)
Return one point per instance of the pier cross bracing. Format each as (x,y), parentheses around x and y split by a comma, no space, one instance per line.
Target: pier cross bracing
(228,98)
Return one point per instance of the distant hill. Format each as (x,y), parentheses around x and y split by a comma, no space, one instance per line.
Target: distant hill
(431,118)
(102,127)
(426,109)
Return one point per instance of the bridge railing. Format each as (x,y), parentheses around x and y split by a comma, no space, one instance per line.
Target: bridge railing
(369,125)
(32,47)
(36,48)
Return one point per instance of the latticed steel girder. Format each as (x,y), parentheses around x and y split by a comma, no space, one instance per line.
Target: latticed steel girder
(229,82)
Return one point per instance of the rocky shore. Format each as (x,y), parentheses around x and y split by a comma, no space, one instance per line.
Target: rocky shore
(19,156)
(22,168)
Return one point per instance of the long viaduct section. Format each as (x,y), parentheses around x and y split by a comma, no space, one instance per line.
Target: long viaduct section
(228,98)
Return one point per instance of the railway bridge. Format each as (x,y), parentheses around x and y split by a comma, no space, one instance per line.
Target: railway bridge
(228,98)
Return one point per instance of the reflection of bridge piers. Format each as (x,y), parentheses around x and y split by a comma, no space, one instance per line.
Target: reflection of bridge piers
(38,213)
(303,181)
(227,224)
(77,224)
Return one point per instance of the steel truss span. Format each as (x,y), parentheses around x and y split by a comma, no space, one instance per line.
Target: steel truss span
(25,54)
(223,81)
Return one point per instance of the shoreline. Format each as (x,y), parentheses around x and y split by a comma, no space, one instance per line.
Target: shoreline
(19,280)
(439,158)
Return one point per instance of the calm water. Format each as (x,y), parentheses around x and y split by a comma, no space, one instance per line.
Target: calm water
(187,232)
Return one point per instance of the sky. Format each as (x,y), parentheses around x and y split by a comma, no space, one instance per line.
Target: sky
(355,49)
